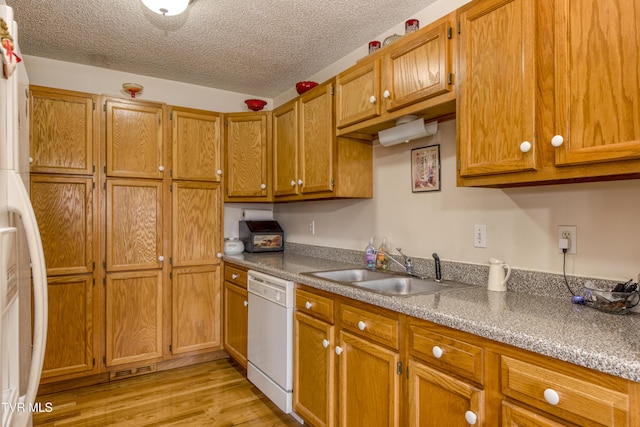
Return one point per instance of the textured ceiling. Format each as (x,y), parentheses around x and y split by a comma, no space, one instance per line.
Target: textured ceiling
(256,47)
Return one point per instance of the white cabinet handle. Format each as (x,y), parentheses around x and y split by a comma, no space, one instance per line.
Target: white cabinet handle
(219,171)
(325,343)
(551,396)
(557,141)
(386,94)
(300,182)
(307,305)
(263,186)
(338,350)
(437,352)
(293,183)
(246,303)
(471,417)
(219,254)
(361,325)
(525,147)
(161,168)
(372,99)
(30,159)
(160,258)
(234,276)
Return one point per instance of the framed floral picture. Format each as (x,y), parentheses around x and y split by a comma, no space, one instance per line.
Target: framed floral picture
(425,169)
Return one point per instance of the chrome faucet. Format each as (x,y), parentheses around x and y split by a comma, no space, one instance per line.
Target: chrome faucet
(408,262)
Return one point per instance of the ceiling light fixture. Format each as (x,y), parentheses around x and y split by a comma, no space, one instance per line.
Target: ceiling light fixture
(167,7)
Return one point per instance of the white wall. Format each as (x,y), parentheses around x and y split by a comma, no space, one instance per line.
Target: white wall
(521,223)
(84,78)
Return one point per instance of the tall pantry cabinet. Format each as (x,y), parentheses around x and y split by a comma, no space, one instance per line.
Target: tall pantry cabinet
(127,195)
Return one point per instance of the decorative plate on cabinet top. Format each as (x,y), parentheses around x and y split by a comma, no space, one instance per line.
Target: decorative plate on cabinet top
(390,39)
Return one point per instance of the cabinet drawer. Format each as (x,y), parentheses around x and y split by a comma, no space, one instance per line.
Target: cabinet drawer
(314,305)
(235,275)
(373,326)
(446,353)
(534,384)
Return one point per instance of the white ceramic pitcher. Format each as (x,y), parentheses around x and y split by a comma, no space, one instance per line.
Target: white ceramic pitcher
(499,273)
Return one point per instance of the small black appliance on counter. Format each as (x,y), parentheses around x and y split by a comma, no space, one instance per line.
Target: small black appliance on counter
(261,236)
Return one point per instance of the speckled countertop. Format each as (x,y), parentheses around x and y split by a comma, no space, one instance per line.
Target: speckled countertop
(542,324)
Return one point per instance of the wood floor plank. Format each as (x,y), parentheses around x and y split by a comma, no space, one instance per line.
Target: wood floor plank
(212,394)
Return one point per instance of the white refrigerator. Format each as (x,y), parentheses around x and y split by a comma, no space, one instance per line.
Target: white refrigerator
(23,279)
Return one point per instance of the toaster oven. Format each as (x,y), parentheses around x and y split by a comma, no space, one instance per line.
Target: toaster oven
(261,236)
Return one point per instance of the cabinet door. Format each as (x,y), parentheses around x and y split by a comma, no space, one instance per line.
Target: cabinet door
(358,93)
(134,139)
(236,322)
(246,149)
(598,80)
(317,140)
(436,399)
(515,416)
(70,334)
(133,317)
(62,132)
(418,68)
(369,384)
(197,228)
(196,145)
(64,210)
(195,323)
(496,87)
(313,370)
(285,150)
(134,224)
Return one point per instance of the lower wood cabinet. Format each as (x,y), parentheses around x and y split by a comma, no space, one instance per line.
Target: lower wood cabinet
(235,313)
(133,317)
(388,369)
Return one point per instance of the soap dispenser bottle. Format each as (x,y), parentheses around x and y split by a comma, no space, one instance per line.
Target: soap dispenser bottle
(381,259)
(370,255)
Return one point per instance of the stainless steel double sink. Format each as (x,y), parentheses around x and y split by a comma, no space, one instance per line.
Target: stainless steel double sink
(386,283)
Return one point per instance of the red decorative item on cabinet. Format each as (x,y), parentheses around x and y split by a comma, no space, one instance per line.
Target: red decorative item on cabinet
(255,104)
(302,87)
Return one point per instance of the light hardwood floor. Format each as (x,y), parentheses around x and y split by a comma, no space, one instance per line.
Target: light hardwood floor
(210,394)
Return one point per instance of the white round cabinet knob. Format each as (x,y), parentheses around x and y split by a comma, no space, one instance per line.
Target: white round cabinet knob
(307,305)
(30,159)
(293,183)
(372,99)
(437,352)
(338,350)
(219,171)
(234,276)
(471,417)
(557,141)
(246,303)
(386,94)
(361,325)
(525,147)
(325,343)
(160,258)
(551,396)
(300,182)
(219,254)
(161,168)
(263,186)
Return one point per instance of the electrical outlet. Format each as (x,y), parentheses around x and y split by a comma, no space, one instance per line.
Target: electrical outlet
(312,227)
(480,236)
(569,232)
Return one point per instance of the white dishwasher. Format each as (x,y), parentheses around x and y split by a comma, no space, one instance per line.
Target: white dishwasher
(270,338)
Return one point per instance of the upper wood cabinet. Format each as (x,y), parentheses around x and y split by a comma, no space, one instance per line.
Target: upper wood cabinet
(309,161)
(247,142)
(537,105)
(197,223)
(413,75)
(64,208)
(63,128)
(134,139)
(134,225)
(196,145)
